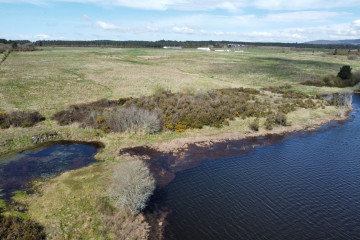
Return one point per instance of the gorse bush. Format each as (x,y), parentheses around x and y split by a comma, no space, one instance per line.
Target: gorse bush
(19,119)
(181,111)
(254,125)
(132,186)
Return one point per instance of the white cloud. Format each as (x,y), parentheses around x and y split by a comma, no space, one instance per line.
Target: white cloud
(303,16)
(356,23)
(147,29)
(151,29)
(42,36)
(185,30)
(86,17)
(110,26)
(302,4)
(332,32)
(231,5)
(36,37)
(246,22)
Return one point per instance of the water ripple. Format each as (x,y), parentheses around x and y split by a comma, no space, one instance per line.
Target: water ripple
(306,187)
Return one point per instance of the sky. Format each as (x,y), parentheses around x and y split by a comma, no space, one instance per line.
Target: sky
(232,20)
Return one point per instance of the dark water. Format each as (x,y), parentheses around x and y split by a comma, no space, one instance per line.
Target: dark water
(305,186)
(18,170)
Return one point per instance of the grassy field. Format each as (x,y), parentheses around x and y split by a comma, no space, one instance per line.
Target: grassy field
(54,78)
(71,205)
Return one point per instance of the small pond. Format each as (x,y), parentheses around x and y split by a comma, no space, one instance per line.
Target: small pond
(46,161)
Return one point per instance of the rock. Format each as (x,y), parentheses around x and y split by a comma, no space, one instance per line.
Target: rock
(44,137)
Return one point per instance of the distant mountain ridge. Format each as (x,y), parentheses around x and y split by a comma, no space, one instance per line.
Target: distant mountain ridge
(336,42)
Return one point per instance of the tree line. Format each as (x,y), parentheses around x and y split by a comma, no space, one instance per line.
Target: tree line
(183,44)
(163,43)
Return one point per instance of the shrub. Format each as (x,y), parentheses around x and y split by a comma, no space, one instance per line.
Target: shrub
(25,119)
(20,119)
(356,77)
(280,119)
(4,48)
(293,94)
(180,111)
(254,125)
(12,227)
(269,123)
(275,119)
(27,47)
(132,186)
(345,72)
(332,81)
(133,119)
(4,120)
(278,89)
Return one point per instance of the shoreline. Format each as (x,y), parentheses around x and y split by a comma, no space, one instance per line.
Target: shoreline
(176,154)
(181,144)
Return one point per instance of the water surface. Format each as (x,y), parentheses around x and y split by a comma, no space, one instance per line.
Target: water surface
(304,186)
(17,170)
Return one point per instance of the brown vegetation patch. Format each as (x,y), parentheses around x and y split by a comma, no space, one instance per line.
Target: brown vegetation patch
(13,227)
(20,119)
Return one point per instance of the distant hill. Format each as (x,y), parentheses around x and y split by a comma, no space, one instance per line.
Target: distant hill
(336,42)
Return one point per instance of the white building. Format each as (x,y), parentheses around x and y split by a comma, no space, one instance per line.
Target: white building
(172,47)
(203,49)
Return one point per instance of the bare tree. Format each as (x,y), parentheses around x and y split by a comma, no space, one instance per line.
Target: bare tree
(132,186)
(133,119)
(341,99)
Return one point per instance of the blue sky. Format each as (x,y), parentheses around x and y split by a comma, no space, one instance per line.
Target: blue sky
(234,20)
